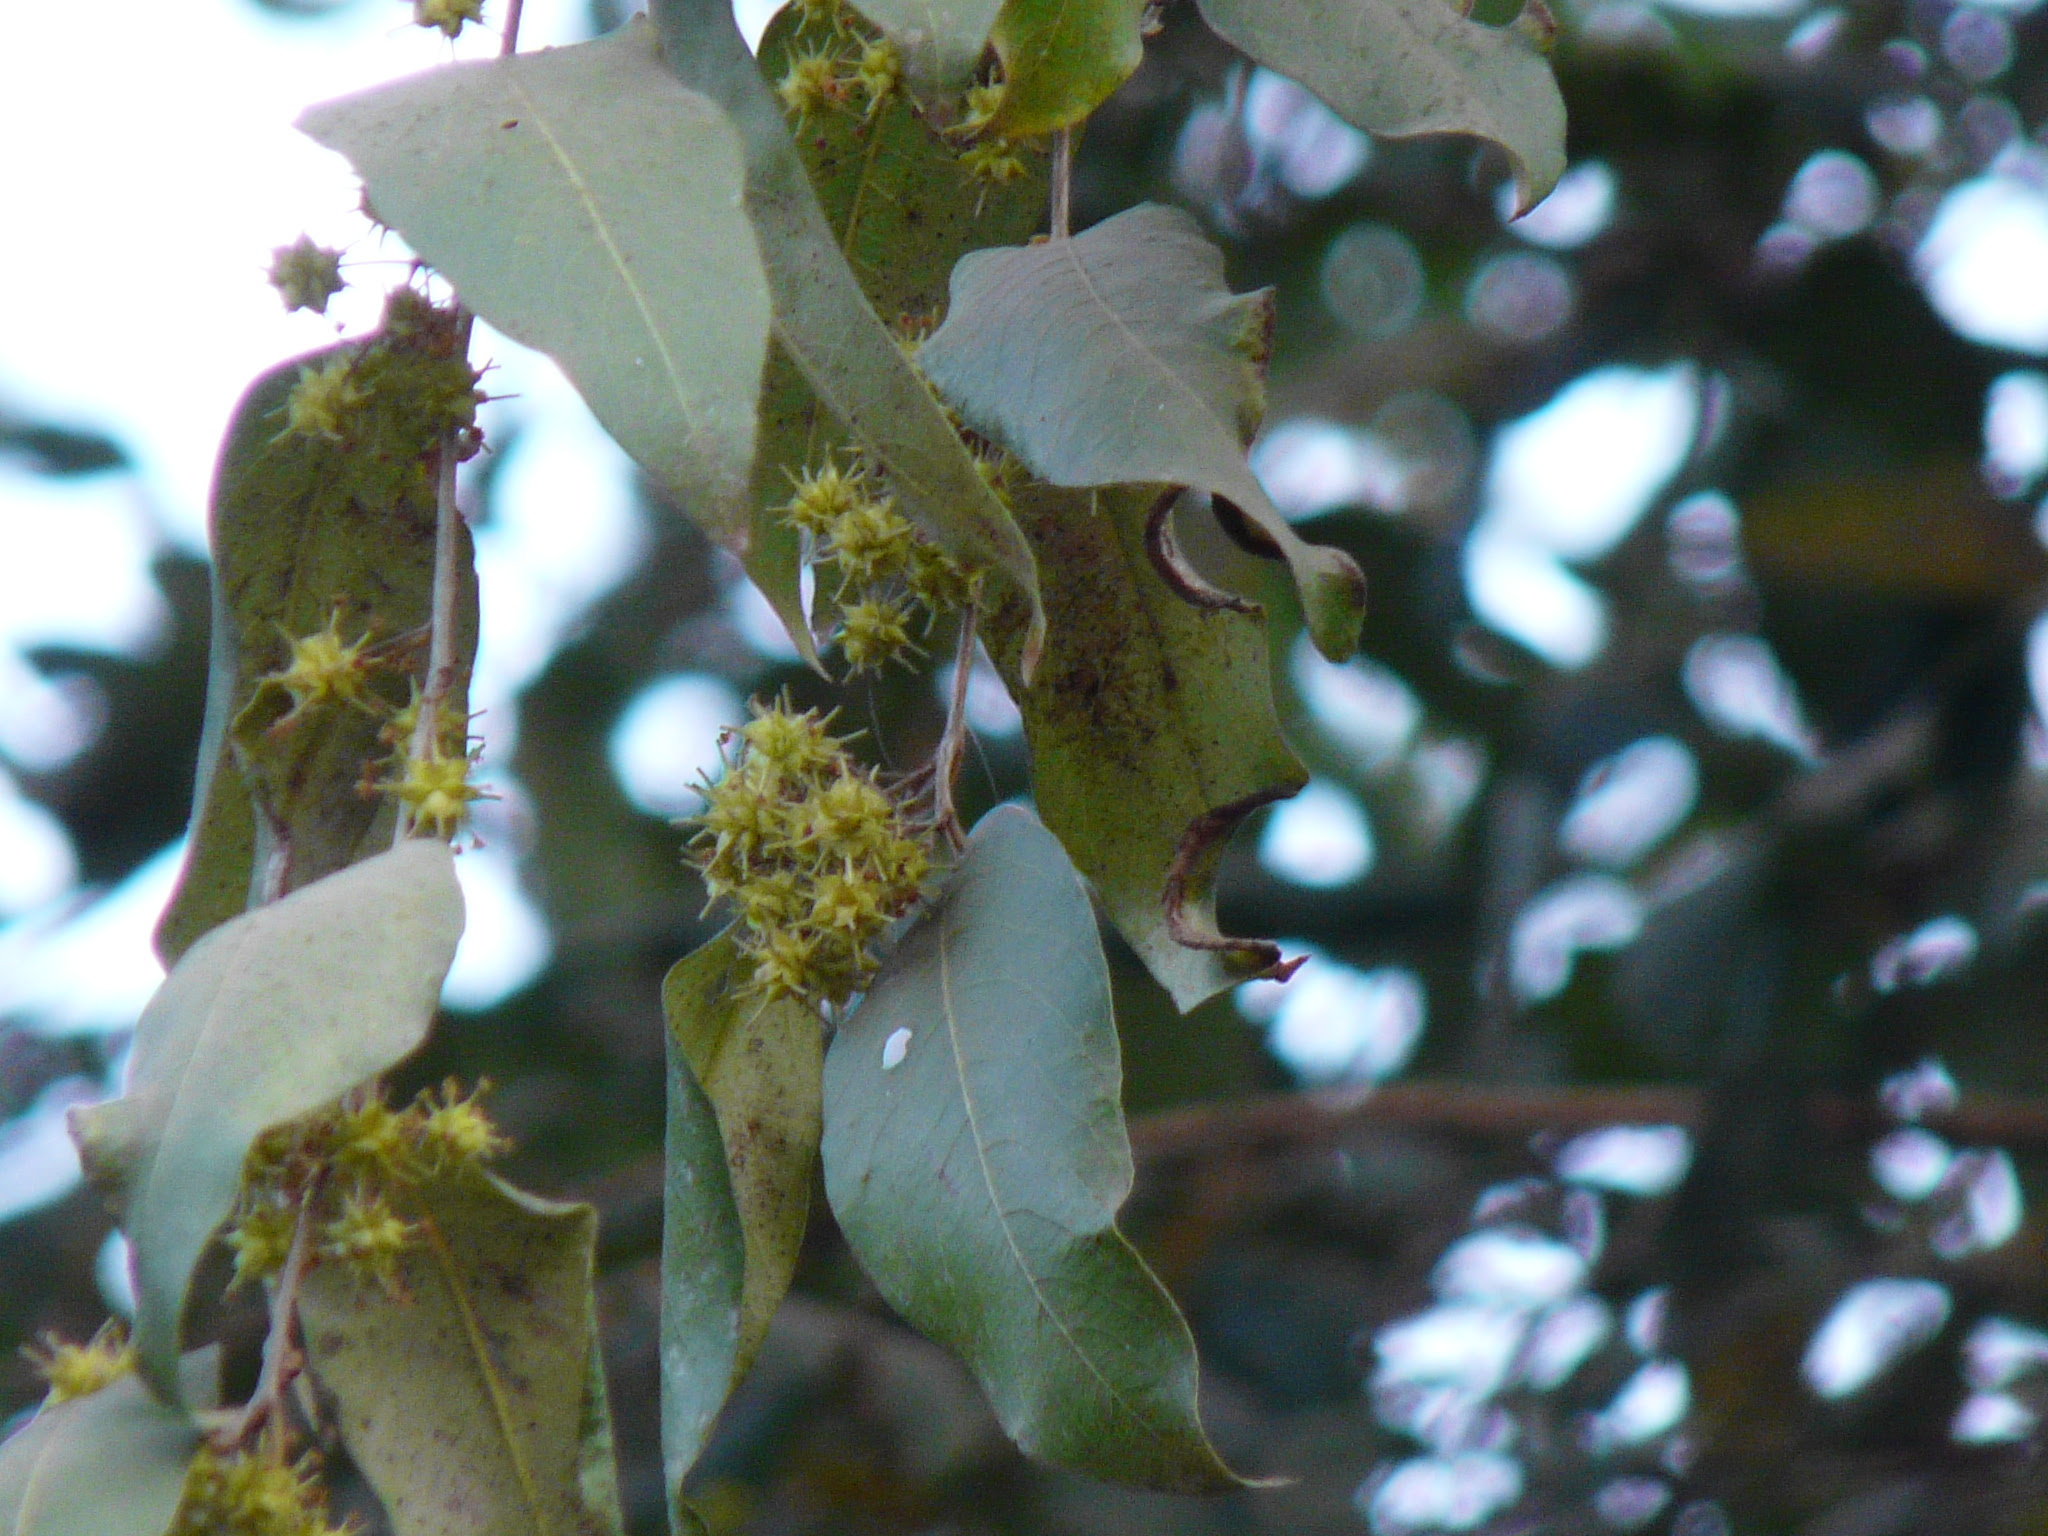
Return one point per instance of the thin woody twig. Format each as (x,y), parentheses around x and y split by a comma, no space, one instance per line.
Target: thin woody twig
(953,744)
(281,1356)
(1062,183)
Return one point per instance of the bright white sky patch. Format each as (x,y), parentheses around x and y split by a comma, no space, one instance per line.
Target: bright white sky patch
(1528,594)
(666,741)
(2016,429)
(1320,838)
(1509,1267)
(1938,950)
(1909,1163)
(37,864)
(1559,1344)
(1577,209)
(1999,1352)
(1310,149)
(1644,1160)
(1441,1493)
(1338,1024)
(1310,466)
(1574,476)
(990,710)
(38,1162)
(1630,802)
(88,971)
(1363,706)
(1870,1329)
(1584,912)
(1650,1403)
(1832,196)
(505,939)
(1982,261)
(76,571)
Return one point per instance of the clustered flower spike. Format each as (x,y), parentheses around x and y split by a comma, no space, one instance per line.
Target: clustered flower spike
(323,400)
(446,16)
(434,788)
(323,669)
(886,569)
(79,1370)
(306,275)
(252,1493)
(813,852)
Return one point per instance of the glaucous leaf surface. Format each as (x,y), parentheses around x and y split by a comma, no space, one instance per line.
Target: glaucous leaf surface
(1122,357)
(265,1019)
(759,1066)
(306,529)
(467,1392)
(584,202)
(975,1155)
(110,1464)
(703,1273)
(1062,59)
(1403,67)
(1151,726)
(941,40)
(826,323)
(902,210)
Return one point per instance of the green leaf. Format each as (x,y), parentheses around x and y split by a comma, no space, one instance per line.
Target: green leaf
(265,1019)
(975,1156)
(467,1393)
(306,528)
(1151,726)
(744,1117)
(111,1464)
(902,210)
(1402,67)
(703,1274)
(1062,59)
(826,322)
(760,1064)
(585,203)
(941,40)
(1121,357)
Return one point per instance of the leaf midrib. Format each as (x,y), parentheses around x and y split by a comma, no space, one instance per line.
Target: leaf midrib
(988,1181)
(602,226)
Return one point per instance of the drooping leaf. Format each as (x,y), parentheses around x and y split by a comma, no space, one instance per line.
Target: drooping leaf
(1062,59)
(903,209)
(941,40)
(585,203)
(466,1392)
(760,1064)
(975,1156)
(265,1019)
(1402,67)
(306,530)
(703,1274)
(1121,357)
(1151,726)
(110,1464)
(827,324)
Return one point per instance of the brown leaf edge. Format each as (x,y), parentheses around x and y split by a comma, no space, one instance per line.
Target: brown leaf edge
(1177,571)
(1194,860)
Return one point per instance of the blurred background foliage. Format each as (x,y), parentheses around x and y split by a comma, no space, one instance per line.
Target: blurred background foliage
(1675,862)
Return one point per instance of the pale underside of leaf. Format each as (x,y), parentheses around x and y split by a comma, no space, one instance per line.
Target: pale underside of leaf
(1121,357)
(111,1464)
(1403,67)
(466,1392)
(264,1020)
(941,40)
(1152,730)
(976,1167)
(828,325)
(584,202)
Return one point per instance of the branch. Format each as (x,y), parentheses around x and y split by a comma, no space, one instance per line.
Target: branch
(281,1358)
(1062,183)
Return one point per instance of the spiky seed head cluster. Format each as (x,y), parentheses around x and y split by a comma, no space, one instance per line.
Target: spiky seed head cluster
(372,1153)
(811,850)
(323,400)
(853,66)
(446,16)
(886,570)
(399,391)
(79,1370)
(322,668)
(434,787)
(306,275)
(252,1493)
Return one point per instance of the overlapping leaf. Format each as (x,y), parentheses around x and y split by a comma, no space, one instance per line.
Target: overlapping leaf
(1122,357)
(584,202)
(111,1464)
(266,1018)
(756,1067)
(1152,729)
(306,529)
(1062,59)
(469,1393)
(1401,67)
(903,209)
(941,40)
(827,325)
(975,1156)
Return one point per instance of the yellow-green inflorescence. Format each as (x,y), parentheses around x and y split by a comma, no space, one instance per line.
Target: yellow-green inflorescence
(257,1492)
(79,1370)
(816,856)
(875,569)
(348,1175)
